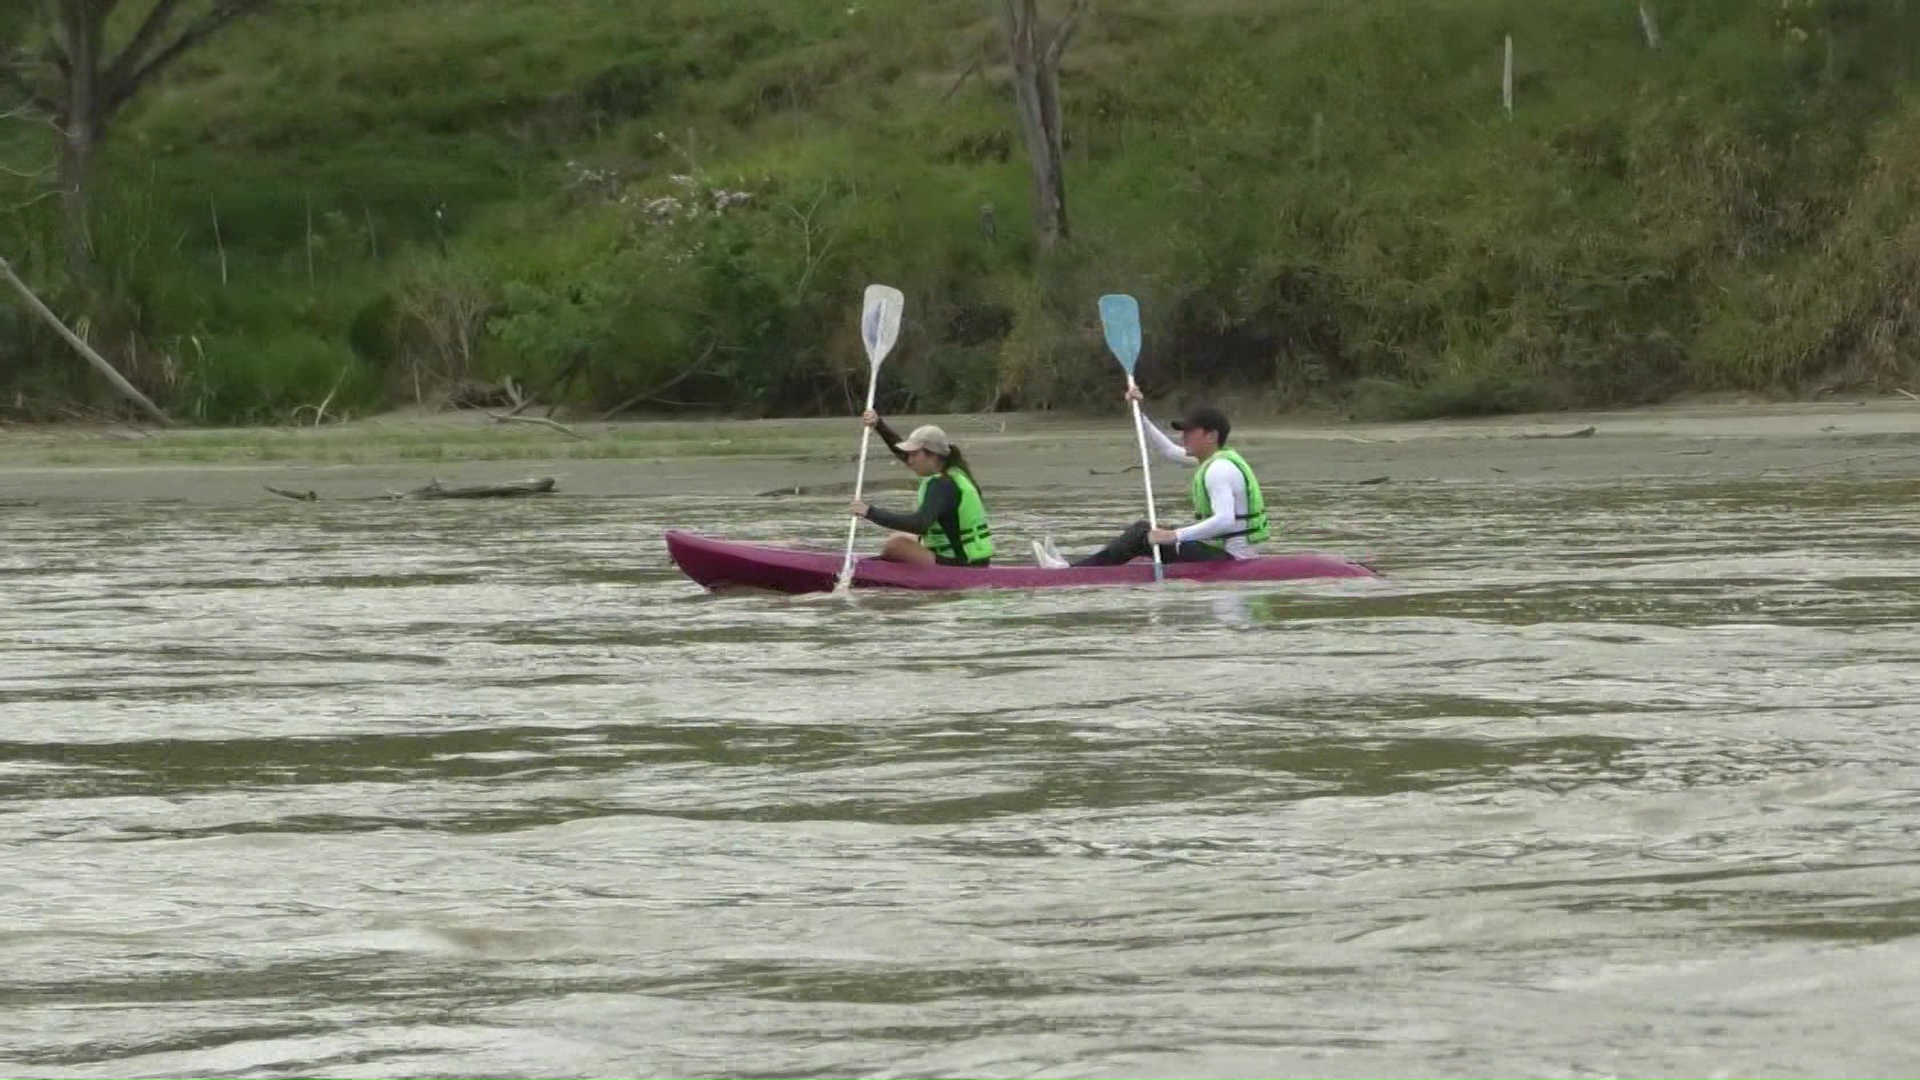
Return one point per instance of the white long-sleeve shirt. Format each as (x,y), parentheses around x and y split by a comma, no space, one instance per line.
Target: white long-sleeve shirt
(1226,490)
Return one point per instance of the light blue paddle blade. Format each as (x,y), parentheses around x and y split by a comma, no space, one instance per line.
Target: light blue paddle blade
(1120,316)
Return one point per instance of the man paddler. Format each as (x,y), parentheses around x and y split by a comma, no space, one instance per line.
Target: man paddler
(1229,513)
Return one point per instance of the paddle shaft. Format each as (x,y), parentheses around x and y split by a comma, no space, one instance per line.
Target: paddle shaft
(1146,477)
(860,476)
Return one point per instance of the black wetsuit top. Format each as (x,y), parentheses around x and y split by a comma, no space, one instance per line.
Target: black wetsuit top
(941,506)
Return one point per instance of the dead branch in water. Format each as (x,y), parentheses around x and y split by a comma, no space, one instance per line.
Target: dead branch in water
(433,490)
(1583,433)
(1875,456)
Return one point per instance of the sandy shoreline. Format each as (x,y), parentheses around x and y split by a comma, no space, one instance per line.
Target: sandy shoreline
(1877,438)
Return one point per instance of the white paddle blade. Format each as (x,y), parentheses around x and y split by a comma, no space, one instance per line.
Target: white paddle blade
(880,321)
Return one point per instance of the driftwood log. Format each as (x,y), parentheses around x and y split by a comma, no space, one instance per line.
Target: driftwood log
(434,490)
(1583,433)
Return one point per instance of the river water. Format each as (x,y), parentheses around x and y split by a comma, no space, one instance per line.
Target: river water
(1600,781)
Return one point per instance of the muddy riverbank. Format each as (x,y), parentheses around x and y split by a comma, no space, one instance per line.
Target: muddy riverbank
(1019,452)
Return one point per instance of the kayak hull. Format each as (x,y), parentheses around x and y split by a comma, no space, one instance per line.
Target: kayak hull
(726,564)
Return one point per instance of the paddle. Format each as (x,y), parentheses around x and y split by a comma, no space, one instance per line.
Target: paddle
(879,329)
(1120,316)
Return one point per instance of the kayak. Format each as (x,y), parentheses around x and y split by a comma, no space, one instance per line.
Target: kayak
(726,564)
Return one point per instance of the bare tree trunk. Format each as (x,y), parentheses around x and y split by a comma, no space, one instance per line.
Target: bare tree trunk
(83,85)
(76,160)
(82,25)
(1035,54)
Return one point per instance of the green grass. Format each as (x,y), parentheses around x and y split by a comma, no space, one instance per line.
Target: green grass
(1314,200)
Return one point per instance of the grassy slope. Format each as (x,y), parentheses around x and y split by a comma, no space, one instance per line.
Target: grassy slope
(1316,196)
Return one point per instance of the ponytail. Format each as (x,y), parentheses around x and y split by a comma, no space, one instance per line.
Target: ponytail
(956,460)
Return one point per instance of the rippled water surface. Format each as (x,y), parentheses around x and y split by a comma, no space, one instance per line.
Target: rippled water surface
(1599,782)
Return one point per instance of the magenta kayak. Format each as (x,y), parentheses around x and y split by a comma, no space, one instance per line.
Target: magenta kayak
(726,564)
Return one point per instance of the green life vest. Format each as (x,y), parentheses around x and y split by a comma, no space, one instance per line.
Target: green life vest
(976,538)
(1254,524)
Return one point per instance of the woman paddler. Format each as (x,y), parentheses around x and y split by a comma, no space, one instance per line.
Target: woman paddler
(948,525)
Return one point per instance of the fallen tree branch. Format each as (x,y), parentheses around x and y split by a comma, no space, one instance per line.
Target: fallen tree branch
(509,418)
(320,410)
(654,393)
(978,63)
(86,350)
(320,414)
(565,376)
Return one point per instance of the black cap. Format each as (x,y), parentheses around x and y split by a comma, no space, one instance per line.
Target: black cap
(1206,418)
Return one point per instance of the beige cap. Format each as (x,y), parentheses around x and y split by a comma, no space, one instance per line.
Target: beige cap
(929,438)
